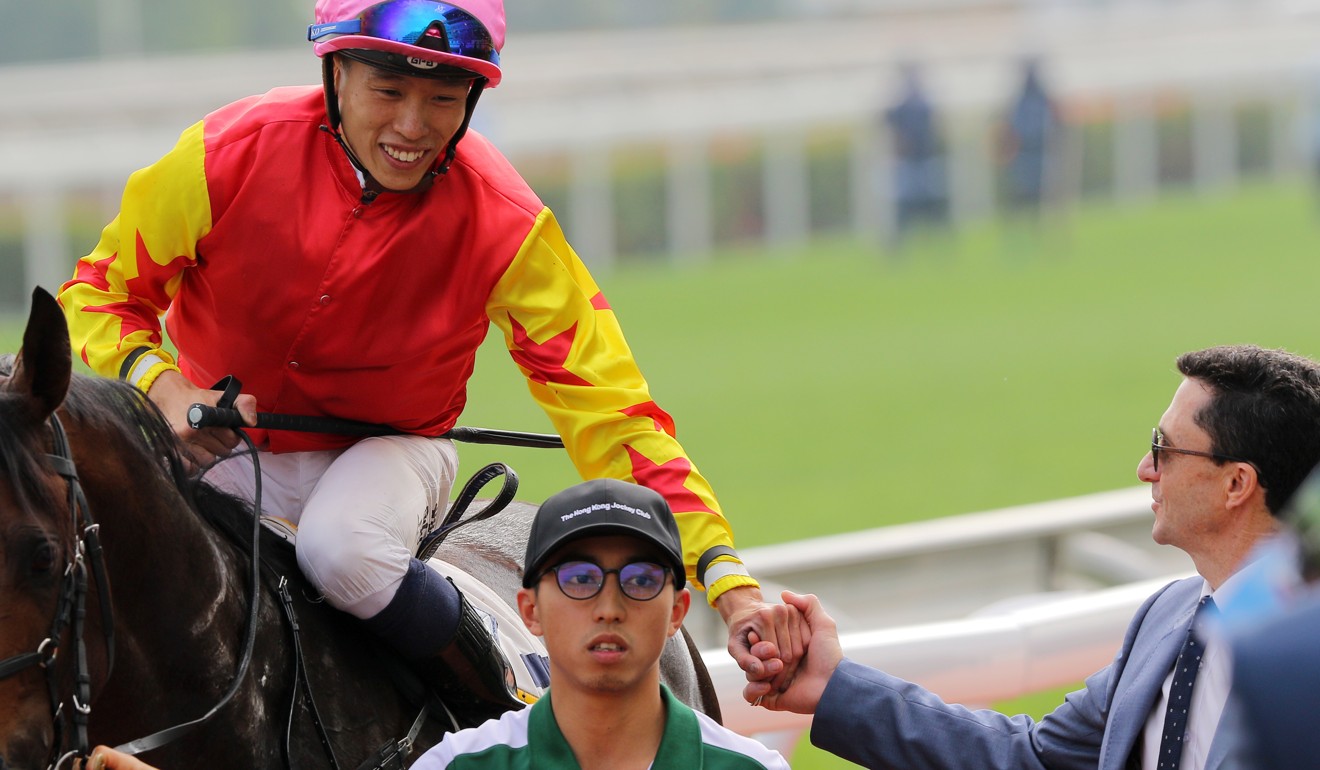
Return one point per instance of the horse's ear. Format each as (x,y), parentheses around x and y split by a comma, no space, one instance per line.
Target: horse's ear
(44,364)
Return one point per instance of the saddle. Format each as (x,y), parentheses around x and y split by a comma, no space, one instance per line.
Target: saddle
(525,653)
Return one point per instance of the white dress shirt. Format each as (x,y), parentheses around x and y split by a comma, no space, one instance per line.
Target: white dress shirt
(1208,699)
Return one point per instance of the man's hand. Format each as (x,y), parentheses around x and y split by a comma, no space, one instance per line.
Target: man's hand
(801,694)
(765,639)
(106,758)
(173,394)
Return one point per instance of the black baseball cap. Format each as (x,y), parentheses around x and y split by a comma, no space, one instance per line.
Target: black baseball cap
(603,507)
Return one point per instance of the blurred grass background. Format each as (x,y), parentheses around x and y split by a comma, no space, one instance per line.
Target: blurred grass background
(838,386)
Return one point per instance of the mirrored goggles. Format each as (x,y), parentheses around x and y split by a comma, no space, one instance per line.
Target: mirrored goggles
(427,24)
(640,580)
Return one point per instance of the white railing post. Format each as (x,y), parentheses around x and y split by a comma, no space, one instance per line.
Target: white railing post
(871,181)
(591,206)
(1136,149)
(1214,143)
(688,196)
(47,255)
(971,166)
(787,197)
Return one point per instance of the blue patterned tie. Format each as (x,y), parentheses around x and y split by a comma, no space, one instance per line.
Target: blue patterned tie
(1180,692)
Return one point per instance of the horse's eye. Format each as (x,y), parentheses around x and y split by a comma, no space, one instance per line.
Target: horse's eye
(43,559)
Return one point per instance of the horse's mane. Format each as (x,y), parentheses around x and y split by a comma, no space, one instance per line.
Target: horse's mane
(134,428)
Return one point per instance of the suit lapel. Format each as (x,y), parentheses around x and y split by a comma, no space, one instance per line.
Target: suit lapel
(1149,661)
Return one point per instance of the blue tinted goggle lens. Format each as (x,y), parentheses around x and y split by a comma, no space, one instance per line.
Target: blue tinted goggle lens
(448,29)
(640,580)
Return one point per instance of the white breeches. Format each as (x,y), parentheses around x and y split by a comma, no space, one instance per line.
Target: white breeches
(360,512)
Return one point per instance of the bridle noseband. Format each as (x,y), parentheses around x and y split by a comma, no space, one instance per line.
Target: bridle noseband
(71,609)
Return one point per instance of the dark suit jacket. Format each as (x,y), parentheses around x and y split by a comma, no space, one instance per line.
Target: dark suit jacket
(1276,692)
(881,721)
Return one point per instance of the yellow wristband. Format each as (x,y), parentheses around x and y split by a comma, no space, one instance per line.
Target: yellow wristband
(727,582)
(144,384)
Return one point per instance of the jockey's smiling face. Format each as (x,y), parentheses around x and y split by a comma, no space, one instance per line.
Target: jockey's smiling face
(397,125)
(609,643)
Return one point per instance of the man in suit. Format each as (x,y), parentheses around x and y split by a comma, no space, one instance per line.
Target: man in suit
(1242,432)
(1276,689)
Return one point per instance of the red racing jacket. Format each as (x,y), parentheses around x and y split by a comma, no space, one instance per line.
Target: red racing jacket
(251,239)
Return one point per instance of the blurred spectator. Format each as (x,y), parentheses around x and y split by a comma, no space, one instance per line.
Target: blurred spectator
(920,178)
(1276,667)
(1028,142)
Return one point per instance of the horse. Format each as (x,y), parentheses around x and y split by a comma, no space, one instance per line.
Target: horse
(131,601)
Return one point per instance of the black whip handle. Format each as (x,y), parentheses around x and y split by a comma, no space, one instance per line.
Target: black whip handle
(204,416)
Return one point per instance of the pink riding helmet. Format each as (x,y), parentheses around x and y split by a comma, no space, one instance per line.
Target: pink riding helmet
(468,34)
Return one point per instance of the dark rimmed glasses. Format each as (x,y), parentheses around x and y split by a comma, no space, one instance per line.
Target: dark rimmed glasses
(640,580)
(1156,447)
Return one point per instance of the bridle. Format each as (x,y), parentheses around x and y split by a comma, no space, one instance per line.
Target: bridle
(71,610)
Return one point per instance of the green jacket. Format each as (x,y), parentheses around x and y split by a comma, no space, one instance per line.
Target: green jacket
(530,738)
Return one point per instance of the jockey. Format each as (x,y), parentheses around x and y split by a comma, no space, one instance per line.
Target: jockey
(341,253)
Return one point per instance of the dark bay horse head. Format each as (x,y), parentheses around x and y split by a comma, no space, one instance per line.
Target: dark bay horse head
(36,541)
(177,594)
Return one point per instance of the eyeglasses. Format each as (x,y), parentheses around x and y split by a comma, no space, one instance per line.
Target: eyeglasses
(640,580)
(408,21)
(1156,447)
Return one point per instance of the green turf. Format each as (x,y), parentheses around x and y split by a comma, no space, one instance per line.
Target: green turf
(835,388)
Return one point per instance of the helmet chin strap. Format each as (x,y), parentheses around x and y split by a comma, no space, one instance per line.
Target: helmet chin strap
(371,187)
(474,93)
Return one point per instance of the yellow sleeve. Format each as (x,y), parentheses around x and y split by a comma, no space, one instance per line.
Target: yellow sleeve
(118,292)
(565,338)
